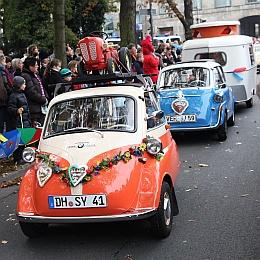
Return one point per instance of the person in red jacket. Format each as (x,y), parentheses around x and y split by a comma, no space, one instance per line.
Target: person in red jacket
(151,62)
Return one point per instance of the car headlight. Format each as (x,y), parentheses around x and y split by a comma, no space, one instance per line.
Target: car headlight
(218,98)
(29,154)
(154,146)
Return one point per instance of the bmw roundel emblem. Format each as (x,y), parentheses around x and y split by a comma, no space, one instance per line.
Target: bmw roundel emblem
(81,145)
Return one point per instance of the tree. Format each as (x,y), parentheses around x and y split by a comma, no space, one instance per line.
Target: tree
(26,22)
(59,29)
(87,16)
(127,18)
(186,19)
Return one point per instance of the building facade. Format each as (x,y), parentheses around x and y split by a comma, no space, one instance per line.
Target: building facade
(165,21)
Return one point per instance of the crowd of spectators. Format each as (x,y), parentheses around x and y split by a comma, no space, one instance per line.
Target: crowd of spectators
(27,84)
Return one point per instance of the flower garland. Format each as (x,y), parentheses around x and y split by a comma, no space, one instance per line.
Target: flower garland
(105,164)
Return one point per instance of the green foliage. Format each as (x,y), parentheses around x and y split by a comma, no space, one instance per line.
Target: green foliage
(26,22)
(91,18)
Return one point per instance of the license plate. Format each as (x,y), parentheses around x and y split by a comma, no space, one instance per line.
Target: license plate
(77,201)
(181,118)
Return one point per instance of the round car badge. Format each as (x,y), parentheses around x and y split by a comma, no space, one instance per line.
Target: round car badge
(179,105)
(80,145)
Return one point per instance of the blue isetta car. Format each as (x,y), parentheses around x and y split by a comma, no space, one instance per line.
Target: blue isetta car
(194,96)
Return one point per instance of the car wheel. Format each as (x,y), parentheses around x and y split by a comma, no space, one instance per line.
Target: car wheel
(222,130)
(33,230)
(231,120)
(249,103)
(162,221)
(111,66)
(125,59)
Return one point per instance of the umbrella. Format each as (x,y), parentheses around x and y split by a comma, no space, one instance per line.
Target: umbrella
(29,135)
(10,143)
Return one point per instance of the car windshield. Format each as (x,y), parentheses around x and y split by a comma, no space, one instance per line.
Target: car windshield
(91,114)
(185,77)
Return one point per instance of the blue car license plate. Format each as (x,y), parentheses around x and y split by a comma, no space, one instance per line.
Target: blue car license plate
(181,118)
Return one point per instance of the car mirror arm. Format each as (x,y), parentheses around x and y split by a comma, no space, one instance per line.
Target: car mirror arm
(222,85)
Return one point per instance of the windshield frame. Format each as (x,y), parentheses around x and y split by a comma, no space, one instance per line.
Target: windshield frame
(80,130)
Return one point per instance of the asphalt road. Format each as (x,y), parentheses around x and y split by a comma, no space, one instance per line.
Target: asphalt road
(219,209)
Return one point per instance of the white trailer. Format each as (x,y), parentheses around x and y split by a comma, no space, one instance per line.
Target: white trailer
(236,55)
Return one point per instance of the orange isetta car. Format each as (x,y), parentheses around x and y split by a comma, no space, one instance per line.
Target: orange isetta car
(105,154)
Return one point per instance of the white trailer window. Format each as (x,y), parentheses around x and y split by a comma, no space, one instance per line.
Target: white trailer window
(219,57)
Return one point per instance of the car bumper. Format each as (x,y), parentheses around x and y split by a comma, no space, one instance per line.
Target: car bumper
(201,128)
(26,217)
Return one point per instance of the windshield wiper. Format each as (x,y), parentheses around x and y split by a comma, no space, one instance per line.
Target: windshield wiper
(84,128)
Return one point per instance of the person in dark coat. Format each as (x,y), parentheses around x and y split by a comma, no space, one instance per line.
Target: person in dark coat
(3,104)
(35,92)
(18,109)
(52,76)
(18,112)
(138,63)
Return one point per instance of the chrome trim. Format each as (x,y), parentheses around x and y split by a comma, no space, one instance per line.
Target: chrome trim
(244,100)
(201,128)
(90,219)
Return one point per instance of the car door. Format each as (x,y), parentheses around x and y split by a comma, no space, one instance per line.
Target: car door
(227,92)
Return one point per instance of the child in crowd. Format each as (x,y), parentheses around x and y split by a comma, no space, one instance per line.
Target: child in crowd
(66,76)
(18,108)
(73,67)
(18,112)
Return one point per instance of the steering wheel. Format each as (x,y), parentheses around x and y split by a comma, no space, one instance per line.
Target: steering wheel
(120,125)
(99,34)
(196,83)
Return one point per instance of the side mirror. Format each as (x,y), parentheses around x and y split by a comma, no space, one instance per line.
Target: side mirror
(158,114)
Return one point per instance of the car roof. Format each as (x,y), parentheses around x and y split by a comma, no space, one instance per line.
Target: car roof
(214,24)
(209,64)
(229,40)
(123,89)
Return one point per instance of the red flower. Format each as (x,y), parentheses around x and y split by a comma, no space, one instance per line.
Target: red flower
(131,150)
(89,171)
